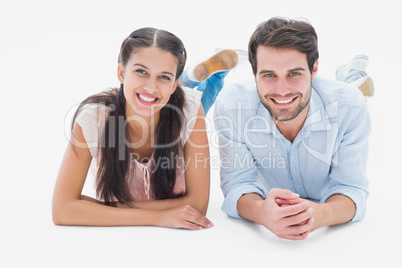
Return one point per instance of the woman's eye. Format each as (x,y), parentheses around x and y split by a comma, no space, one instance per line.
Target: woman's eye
(164,77)
(140,71)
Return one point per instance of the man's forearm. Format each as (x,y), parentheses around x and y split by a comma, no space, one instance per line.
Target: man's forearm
(336,210)
(246,207)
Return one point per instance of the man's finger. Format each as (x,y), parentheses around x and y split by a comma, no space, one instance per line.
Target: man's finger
(288,202)
(287,211)
(282,194)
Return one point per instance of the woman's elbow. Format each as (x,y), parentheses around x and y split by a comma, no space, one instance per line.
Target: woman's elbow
(60,214)
(57,217)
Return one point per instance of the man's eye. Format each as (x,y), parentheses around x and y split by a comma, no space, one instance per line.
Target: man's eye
(269,75)
(294,74)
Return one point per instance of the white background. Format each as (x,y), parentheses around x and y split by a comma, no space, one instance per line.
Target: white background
(53,54)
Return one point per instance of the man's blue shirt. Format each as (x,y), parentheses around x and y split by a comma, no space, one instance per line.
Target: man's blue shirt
(328,156)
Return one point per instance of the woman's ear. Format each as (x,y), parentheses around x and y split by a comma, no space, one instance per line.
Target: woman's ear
(175,86)
(120,73)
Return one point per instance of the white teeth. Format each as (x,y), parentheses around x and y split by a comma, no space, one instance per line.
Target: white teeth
(146,99)
(282,101)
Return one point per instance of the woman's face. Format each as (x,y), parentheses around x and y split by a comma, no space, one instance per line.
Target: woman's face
(149,78)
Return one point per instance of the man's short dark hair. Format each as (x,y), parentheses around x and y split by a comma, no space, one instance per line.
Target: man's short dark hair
(285,33)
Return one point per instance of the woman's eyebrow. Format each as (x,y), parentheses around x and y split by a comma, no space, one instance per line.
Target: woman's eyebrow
(145,67)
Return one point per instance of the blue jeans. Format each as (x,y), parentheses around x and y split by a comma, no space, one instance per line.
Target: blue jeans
(210,87)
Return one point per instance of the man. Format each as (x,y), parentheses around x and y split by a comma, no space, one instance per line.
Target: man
(293,146)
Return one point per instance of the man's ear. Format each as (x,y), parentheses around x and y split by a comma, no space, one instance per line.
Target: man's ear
(120,73)
(255,78)
(315,70)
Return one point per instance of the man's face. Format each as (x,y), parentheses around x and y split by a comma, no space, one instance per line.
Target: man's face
(283,81)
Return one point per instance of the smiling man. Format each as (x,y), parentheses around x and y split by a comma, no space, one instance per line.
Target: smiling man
(293,146)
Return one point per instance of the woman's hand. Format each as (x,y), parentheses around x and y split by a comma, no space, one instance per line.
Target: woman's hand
(179,217)
(183,217)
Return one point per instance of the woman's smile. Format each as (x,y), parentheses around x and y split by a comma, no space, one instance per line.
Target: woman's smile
(146,99)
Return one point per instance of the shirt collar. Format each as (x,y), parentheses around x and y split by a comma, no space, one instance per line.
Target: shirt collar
(317,117)
(265,121)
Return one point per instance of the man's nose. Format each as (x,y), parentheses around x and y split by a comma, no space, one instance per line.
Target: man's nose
(283,86)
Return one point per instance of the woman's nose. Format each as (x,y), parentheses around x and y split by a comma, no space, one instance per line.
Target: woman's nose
(150,86)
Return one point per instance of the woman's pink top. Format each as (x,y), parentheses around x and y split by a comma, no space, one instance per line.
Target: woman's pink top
(92,120)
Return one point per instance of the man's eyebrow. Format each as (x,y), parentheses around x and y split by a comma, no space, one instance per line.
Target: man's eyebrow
(266,71)
(289,71)
(296,69)
(145,67)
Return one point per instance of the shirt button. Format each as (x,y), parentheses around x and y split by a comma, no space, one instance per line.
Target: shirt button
(294,170)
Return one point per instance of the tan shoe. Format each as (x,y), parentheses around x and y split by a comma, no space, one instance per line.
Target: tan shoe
(222,60)
(366,85)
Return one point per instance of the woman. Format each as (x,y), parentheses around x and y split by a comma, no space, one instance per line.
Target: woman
(146,141)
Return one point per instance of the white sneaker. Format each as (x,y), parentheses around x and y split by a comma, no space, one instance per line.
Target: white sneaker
(359,62)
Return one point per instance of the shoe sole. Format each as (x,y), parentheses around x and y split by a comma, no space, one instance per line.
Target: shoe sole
(367,88)
(222,61)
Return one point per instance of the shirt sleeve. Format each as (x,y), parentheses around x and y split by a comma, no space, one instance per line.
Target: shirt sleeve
(348,174)
(91,120)
(238,171)
(190,112)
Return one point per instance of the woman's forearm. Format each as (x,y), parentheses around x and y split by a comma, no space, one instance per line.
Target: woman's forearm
(200,205)
(157,204)
(89,213)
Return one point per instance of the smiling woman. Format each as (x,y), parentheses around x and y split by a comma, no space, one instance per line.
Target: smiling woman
(149,80)
(123,133)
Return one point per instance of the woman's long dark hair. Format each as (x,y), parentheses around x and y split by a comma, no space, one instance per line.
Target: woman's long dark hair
(114,153)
